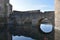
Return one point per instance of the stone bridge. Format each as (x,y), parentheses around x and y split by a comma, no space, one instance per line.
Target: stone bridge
(27,24)
(34,16)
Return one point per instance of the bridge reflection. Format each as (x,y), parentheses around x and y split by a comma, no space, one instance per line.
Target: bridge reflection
(21,38)
(28,30)
(36,34)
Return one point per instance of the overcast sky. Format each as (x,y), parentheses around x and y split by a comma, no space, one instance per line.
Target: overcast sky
(24,5)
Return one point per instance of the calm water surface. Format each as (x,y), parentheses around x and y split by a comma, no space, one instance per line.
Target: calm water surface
(28,38)
(21,38)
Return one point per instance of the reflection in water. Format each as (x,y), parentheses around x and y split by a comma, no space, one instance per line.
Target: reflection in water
(21,38)
(46,28)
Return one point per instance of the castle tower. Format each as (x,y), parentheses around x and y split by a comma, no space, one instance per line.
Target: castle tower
(57,13)
(5,6)
(5,10)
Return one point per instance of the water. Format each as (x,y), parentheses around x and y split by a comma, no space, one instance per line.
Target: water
(21,38)
(44,27)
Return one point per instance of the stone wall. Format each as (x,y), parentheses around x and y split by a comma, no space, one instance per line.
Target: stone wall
(32,16)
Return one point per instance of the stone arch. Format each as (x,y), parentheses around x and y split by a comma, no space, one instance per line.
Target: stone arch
(46,20)
(42,20)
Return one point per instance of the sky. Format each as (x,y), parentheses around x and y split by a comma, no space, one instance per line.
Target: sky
(25,5)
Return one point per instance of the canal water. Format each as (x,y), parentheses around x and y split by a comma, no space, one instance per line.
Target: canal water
(28,38)
(21,38)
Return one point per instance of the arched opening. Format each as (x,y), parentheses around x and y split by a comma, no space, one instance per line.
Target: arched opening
(45,25)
